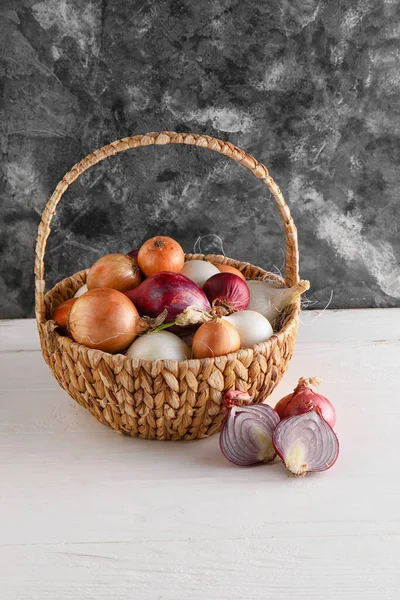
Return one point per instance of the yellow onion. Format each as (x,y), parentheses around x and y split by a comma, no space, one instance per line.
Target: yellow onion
(230,269)
(215,339)
(117,271)
(61,313)
(159,254)
(104,319)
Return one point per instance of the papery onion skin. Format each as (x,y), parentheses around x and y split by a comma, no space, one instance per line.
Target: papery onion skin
(172,291)
(230,269)
(270,301)
(304,399)
(323,445)
(61,313)
(215,339)
(246,436)
(159,254)
(116,271)
(227,290)
(104,319)
(161,345)
(82,290)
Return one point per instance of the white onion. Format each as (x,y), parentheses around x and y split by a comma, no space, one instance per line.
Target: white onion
(251,326)
(270,301)
(161,345)
(82,290)
(199,271)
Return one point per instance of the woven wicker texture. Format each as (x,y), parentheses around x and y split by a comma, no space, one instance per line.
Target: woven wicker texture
(163,399)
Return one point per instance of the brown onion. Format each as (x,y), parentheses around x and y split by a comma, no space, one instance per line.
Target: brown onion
(61,313)
(104,319)
(116,271)
(159,254)
(230,269)
(215,339)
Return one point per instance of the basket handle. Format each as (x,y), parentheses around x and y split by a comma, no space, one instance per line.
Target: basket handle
(165,137)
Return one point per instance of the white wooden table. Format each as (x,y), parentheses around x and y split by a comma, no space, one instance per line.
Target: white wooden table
(86,513)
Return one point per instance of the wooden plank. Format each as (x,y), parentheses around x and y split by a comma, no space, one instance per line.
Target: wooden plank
(18,334)
(367,324)
(308,568)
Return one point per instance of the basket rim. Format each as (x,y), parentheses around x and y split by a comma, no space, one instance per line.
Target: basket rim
(263,348)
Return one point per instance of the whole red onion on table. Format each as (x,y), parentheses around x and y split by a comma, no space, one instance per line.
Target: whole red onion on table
(304,399)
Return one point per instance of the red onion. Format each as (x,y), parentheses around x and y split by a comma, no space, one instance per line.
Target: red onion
(167,290)
(133,254)
(303,399)
(306,443)
(227,290)
(246,437)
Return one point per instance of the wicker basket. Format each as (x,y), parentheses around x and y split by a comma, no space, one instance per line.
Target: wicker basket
(163,399)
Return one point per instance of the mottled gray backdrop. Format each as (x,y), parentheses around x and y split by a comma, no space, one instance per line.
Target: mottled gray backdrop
(311,88)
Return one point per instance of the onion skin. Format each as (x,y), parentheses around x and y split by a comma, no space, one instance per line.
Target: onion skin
(215,339)
(304,399)
(161,345)
(199,271)
(160,254)
(116,271)
(172,291)
(246,436)
(253,328)
(230,269)
(227,290)
(133,254)
(104,319)
(61,313)
(306,443)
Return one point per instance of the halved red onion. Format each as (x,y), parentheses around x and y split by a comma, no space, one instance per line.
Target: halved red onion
(306,443)
(246,437)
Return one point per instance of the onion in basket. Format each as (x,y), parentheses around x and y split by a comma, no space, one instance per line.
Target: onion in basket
(160,345)
(251,326)
(215,339)
(230,269)
(171,291)
(104,319)
(117,271)
(199,271)
(270,301)
(159,254)
(227,290)
(61,313)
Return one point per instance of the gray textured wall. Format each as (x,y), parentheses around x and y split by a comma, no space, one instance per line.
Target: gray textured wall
(311,88)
